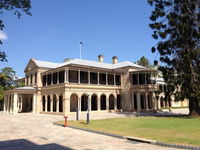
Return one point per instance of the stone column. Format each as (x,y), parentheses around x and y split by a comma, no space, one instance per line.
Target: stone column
(132,96)
(153,100)
(11,103)
(89,102)
(138,102)
(98,103)
(46,98)
(33,79)
(4,104)
(79,104)
(34,103)
(15,108)
(146,99)
(8,103)
(107,103)
(66,102)
(51,103)
(57,103)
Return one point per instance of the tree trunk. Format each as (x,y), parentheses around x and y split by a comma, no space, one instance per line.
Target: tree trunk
(194,107)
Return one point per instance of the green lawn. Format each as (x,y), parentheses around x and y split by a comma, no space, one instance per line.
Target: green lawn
(176,130)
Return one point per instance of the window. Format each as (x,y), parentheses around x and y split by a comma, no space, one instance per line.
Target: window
(110,79)
(27,77)
(31,79)
(148,78)
(35,77)
(73,76)
(102,78)
(93,78)
(55,78)
(142,78)
(160,88)
(83,77)
(135,79)
(49,79)
(61,76)
(44,80)
(118,79)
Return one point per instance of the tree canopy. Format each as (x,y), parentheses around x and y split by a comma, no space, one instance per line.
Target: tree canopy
(144,62)
(7,81)
(176,26)
(17,7)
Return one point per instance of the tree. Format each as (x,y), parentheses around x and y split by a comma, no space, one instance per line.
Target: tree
(17,7)
(7,81)
(176,26)
(144,62)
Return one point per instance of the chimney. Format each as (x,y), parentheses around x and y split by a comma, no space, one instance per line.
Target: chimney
(100,58)
(67,59)
(114,59)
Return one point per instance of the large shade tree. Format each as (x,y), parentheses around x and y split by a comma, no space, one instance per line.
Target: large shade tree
(17,7)
(7,81)
(176,26)
(144,62)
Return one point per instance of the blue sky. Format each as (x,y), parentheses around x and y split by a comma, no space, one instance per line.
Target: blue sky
(53,32)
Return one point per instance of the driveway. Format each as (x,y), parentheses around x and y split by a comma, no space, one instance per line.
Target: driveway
(36,132)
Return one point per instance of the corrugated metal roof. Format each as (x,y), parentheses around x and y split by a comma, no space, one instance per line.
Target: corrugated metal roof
(25,88)
(97,64)
(89,63)
(46,64)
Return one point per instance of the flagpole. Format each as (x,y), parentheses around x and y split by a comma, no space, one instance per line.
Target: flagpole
(80,49)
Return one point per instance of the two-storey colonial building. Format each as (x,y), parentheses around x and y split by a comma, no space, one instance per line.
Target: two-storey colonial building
(81,85)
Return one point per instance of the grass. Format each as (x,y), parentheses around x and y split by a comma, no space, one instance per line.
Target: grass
(176,130)
(174,107)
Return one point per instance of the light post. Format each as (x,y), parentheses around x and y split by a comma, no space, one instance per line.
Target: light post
(88,109)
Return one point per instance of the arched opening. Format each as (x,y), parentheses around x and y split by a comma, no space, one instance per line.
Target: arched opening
(94,102)
(135,101)
(60,104)
(73,103)
(103,102)
(84,102)
(111,102)
(149,102)
(142,102)
(54,103)
(43,103)
(119,102)
(48,103)
(161,102)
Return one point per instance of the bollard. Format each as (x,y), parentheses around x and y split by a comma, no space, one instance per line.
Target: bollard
(77,114)
(65,125)
(88,117)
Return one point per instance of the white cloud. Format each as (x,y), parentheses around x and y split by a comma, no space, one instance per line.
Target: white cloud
(3,36)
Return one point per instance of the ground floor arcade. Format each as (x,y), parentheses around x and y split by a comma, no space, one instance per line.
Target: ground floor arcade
(81,102)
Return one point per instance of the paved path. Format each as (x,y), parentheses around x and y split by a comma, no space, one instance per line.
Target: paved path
(36,132)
